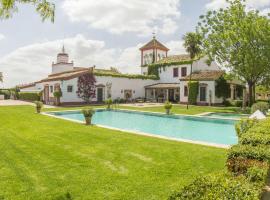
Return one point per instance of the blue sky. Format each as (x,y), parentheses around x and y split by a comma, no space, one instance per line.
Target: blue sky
(104,33)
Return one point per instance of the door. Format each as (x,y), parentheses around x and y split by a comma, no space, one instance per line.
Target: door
(171,95)
(202,93)
(100,94)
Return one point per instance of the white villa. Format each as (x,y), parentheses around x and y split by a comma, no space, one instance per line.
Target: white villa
(162,77)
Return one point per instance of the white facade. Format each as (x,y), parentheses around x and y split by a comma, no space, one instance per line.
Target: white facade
(118,88)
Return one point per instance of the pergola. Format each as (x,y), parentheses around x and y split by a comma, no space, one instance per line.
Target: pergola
(163,91)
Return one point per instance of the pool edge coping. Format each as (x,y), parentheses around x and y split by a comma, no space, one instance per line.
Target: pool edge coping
(223,146)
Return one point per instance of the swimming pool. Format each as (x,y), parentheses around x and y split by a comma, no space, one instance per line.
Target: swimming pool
(227,115)
(199,129)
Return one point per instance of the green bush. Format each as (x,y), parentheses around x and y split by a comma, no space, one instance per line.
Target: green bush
(260,153)
(29,96)
(262,106)
(257,174)
(238,103)
(244,125)
(6,93)
(57,94)
(168,107)
(108,102)
(255,139)
(193,92)
(39,105)
(221,186)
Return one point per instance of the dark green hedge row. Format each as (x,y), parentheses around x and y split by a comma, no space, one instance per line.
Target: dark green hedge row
(222,186)
(255,139)
(29,96)
(6,93)
(260,153)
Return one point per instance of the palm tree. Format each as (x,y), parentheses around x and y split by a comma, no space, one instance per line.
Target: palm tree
(192,43)
(43,7)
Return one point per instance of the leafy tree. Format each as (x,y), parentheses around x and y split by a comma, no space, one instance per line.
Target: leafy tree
(86,87)
(1,77)
(239,40)
(192,43)
(43,7)
(222,88)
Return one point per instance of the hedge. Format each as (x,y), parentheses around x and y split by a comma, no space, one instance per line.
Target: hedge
(262,106)
(222,186)
(244,125)
(193,92)
(255,139)
(130,76)
(29,96)
(6,93)
(260,153)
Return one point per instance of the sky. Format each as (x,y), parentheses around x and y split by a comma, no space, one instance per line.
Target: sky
(104,33)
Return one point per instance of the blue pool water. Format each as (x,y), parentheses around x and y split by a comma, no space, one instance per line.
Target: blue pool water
(227,115)
(203,129)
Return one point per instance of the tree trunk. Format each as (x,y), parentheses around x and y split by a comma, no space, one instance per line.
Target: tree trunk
(189,84)
(250,94)
(254,93)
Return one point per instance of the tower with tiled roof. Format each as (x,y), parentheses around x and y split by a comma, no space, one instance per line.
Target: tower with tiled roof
(152,52)
(62,62)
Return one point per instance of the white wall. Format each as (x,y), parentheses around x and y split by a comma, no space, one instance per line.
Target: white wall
(61,67)
(117,88)
(166,75)
(210,87)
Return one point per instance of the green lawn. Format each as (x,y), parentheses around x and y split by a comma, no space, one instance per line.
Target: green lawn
(176,109)
(44,158)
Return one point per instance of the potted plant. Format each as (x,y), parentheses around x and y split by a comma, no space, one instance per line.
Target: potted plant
(168,107)
(88,114)
(39,105)
(108,102)
(57,95)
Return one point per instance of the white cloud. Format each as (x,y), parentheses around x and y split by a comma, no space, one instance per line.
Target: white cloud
(2,36)
(119,16)
(33,62)
(251,4)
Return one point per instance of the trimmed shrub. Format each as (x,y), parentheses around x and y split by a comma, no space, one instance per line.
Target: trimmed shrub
(6,93)
(221,186)
(244,125)
(168,107)
(256,174)
(241,165)
(193,92)
(39,106)
(260,153)
(88,114)
(29,96)
(238,103)
(108,102)
(262,106)
(255,139)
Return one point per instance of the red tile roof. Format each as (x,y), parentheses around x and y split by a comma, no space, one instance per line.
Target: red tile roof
(206,75)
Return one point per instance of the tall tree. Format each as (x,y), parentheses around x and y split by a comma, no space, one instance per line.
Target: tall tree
(1,77)
(192,43)
(43,7)
(239,40)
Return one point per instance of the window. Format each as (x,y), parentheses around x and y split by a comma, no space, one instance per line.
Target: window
(69,88)
(51,89)
(185,91)
(175,72)
(183,71)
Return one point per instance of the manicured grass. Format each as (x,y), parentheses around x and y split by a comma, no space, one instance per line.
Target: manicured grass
(45,158)
(176,109)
